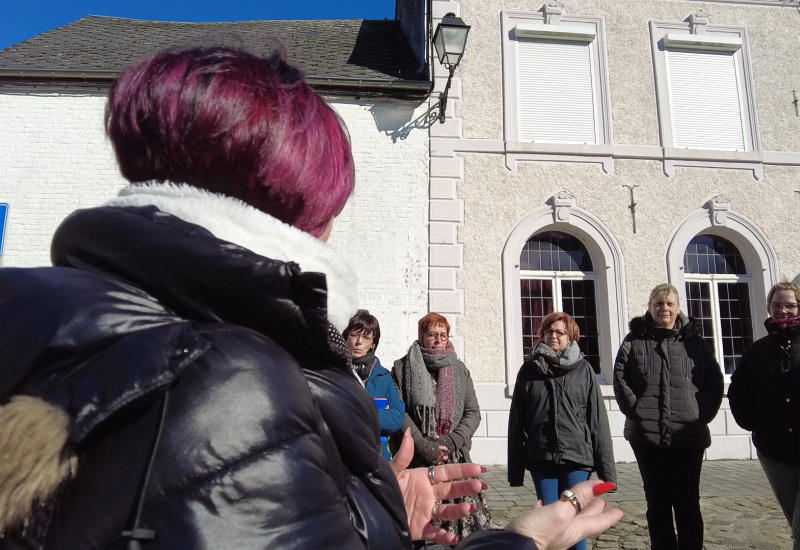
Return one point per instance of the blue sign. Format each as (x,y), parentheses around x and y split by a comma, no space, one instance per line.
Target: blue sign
(3,219)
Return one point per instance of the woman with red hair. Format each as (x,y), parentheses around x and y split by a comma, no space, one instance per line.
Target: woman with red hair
(442,411)
(558,426)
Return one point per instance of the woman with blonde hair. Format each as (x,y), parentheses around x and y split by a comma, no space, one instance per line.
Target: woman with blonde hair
(669,387)
(764,396)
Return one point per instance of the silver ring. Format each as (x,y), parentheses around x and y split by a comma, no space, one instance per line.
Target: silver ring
(431,476)
(435,513)
(567,494)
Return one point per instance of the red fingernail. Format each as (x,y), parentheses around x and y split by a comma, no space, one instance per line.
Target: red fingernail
(603,488)
(604,505)
(484,469)
(455,541)
(472,508)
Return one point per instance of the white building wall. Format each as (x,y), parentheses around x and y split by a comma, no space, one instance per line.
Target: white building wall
(492,190)
(55,158)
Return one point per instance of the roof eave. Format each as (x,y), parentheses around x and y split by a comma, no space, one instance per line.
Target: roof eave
(69,78)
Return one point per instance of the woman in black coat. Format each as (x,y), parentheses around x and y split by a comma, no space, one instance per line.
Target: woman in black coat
(179,378)
(669,387)
(764,396)
(558,426)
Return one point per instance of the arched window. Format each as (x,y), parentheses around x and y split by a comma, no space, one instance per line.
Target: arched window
(556,274)
(718,295)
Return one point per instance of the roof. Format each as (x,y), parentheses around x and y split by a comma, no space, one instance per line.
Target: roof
(354,53)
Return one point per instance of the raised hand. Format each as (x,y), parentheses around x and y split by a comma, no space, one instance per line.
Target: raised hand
(420,495)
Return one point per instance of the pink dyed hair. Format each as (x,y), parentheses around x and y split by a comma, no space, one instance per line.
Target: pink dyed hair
(233,123)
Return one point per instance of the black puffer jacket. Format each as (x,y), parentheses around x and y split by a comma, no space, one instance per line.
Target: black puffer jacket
(558,417)
(667,384)
(765,395)
(266,438)
(187,393)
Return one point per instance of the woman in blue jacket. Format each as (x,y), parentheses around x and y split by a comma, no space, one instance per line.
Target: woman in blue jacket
(363,334)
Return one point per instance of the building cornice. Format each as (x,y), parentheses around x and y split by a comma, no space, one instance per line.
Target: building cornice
(53,80)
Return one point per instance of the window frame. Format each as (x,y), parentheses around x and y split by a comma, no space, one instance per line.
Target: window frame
(713,281)
(716,217)
(706,39)
(561,214)
(569,25)
(556,278)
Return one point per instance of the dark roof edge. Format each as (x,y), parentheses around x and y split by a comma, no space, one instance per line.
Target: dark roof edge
(415,88)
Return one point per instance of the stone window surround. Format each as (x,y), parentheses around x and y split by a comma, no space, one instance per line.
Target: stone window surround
(717,218)
(698,24)
(552,15)
(560,213)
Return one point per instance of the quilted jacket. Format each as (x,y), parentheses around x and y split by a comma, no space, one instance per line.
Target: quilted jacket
(765,395)
(667,384)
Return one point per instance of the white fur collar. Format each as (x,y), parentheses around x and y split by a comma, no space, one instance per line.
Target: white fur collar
(234,221)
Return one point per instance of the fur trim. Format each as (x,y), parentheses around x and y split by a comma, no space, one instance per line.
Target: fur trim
(35,456)
(642,327)
(235,221)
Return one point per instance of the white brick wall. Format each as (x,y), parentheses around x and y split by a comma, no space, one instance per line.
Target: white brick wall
(55,158)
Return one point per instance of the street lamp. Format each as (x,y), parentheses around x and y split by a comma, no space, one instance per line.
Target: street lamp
(450,40)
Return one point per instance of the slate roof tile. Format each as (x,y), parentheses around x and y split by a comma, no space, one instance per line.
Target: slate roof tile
(356,49)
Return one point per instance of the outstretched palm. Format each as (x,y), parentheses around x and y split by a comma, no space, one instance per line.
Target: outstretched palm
(420,496)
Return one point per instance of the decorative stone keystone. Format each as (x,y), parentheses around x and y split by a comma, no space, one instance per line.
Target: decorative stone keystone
(563,201)
(718,208)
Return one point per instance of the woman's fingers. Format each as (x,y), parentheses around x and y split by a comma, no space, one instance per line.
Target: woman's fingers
(597,520)
(451,512)
(450,472)
(438,535)
(585,491)
(404,454)
(458,489)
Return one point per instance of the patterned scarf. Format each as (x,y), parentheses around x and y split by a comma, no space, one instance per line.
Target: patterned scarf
(786,326)
(363,365)
(434,388)
(550,363)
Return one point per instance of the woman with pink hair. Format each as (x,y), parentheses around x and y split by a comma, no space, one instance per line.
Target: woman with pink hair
(179,378)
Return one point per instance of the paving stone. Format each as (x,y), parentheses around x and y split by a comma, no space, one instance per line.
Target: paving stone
(739,510)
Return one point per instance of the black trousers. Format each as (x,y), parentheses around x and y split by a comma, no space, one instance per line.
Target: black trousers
(672,484)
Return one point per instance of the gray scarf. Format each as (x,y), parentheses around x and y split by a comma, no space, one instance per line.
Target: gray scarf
(435,410)
(363,365)
(550,363)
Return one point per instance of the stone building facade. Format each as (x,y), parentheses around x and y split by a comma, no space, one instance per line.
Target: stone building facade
(594,149)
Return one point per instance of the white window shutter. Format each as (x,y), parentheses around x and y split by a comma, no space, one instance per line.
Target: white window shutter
(555,91)
(705,100)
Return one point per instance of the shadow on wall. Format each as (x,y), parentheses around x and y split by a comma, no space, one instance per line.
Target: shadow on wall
(396,120)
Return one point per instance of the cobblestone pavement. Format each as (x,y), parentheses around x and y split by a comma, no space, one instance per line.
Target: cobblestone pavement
(739,510)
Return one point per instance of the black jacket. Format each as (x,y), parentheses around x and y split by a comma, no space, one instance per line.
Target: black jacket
(764,395)
(559,417)
(266,439)
(668,384)
(208,401)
